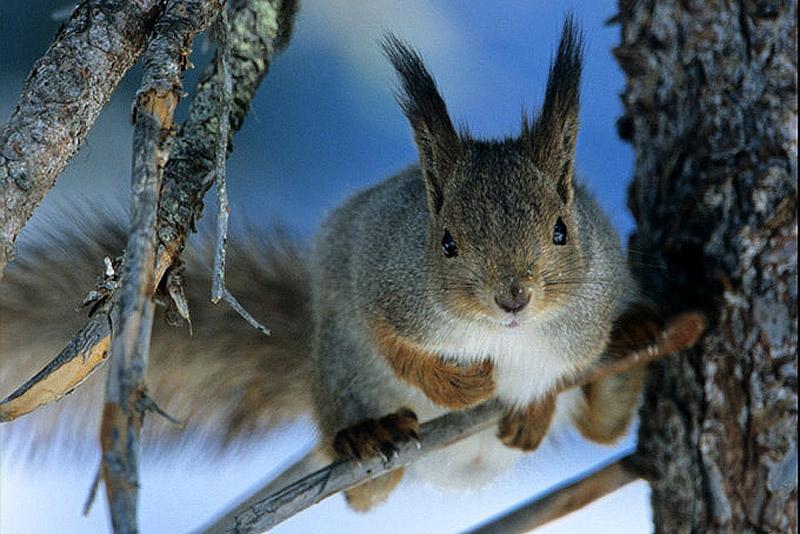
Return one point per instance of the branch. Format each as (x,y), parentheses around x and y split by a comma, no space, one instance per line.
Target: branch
(309,463)
(281,505)
(83,354)
(259,29)
(681,333)
(565,498)
(63,95)
(123,411)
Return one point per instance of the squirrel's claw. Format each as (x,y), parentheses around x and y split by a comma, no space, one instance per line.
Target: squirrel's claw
(377,438)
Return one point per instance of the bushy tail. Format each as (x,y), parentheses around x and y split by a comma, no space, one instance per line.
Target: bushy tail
(226,381)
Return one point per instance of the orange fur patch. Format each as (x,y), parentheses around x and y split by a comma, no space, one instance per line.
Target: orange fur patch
(446,384)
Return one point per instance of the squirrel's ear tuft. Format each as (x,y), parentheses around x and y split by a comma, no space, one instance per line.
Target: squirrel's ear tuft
(437,141)
(552,135)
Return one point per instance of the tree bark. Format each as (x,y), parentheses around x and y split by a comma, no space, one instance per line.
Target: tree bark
(63,95)
(711,111)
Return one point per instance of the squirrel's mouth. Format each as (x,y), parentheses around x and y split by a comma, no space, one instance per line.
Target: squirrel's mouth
(511,323)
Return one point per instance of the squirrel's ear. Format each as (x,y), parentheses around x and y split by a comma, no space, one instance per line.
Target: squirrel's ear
(437,140)
(552,135)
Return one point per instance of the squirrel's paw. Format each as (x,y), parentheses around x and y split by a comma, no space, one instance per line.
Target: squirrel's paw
(457,387)
(377,437)
(525,429)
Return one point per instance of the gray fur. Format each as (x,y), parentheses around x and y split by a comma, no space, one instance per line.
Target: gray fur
(379,258)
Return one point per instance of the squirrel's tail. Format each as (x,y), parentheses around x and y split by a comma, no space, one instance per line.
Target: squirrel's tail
(226,381)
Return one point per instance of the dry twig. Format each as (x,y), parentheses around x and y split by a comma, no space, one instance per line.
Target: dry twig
(680,333)
(259,29)
(123,411)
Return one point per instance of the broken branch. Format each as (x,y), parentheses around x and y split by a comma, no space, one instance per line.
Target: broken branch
(218,289)
(132,324)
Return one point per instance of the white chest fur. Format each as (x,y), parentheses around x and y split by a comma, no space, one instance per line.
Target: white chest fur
(528,363)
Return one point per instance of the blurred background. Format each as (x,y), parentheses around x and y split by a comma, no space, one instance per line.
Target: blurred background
(323,126)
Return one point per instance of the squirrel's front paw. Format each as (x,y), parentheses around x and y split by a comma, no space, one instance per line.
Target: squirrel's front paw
(377,437)
(524,429)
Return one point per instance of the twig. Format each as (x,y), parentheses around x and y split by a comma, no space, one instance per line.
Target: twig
(87,504)
(218,288)
(165,61)
(565,498)
(259,29)
(63,95)
(680,333)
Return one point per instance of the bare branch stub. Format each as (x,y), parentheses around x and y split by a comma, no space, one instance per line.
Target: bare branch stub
(63,95)
(260,29)
(164,63)
(218,289)
(680,333)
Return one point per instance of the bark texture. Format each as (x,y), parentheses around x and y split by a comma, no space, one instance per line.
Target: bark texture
(63,95)
(711,111)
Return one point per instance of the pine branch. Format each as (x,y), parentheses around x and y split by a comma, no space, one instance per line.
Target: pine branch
(259,30)
(63,95)
(680,333)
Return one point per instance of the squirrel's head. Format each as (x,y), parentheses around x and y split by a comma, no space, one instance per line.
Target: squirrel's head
(503,240)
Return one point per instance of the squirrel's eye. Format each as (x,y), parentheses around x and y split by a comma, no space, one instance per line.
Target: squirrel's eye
(560,233)
(449,245)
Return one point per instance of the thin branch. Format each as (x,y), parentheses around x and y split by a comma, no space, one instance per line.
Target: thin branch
(259,29)
(680,333)
(309,463)
(218,289)
(280,506)
(165,61)
(63,95)
(565,498)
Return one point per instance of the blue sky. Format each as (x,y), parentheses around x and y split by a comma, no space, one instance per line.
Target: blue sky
(323,126)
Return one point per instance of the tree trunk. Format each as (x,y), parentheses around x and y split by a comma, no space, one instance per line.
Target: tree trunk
(711,111)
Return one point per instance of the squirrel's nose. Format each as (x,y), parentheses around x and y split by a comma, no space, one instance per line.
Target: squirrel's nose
(514,299)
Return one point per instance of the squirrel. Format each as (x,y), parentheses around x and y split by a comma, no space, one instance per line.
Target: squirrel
(485,271)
